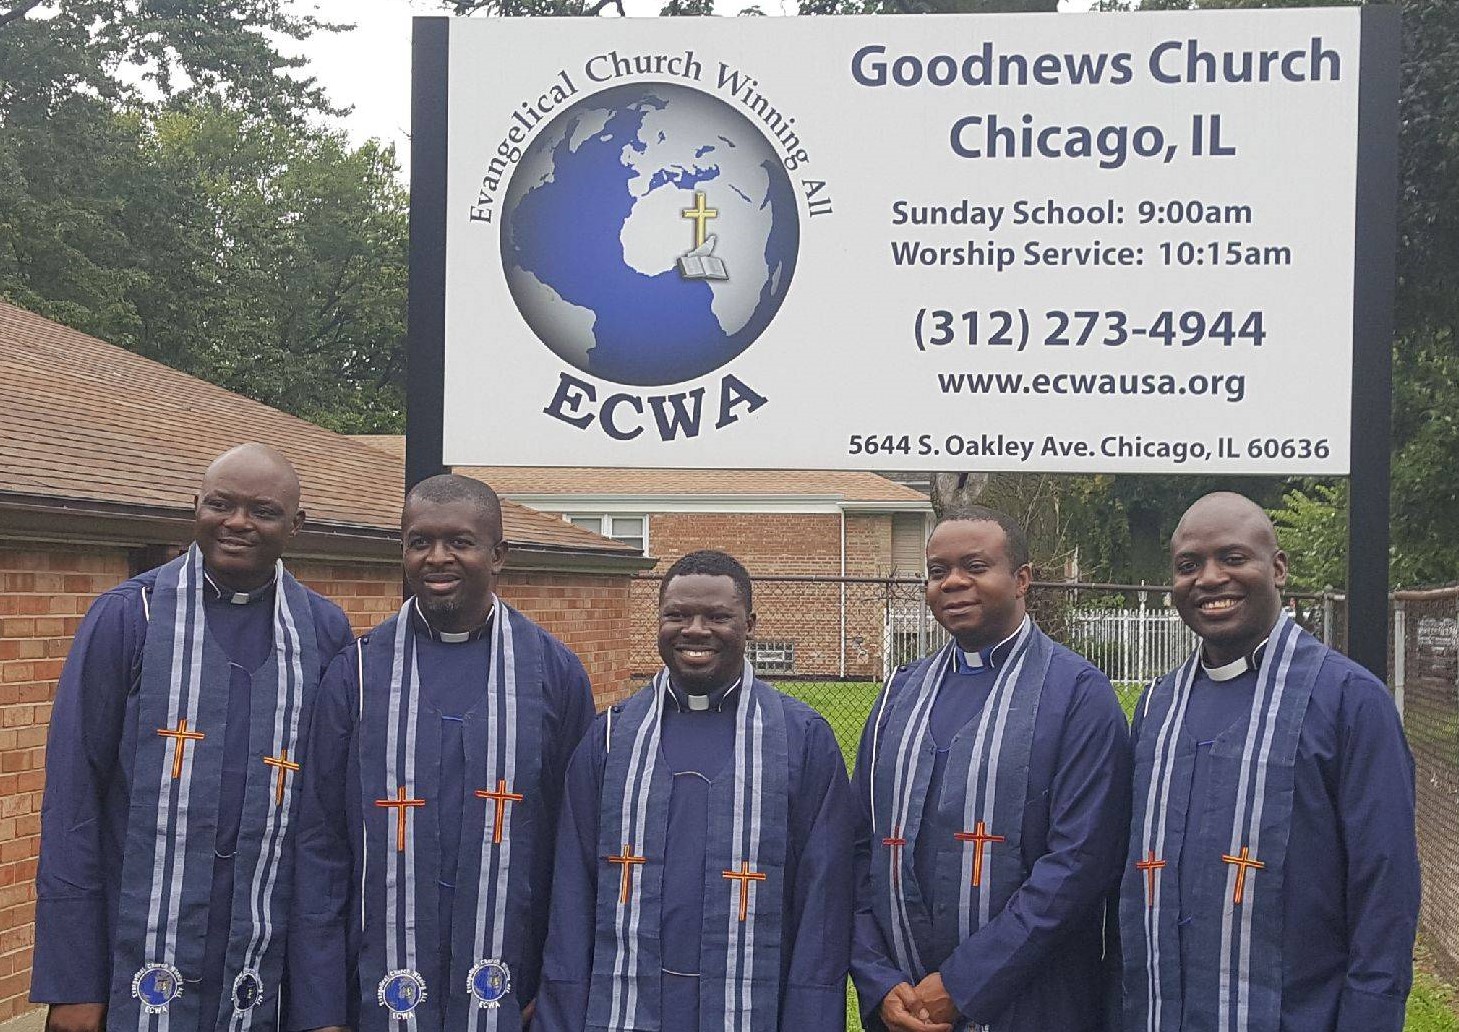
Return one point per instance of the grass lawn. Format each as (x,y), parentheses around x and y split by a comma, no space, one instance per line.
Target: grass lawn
(1432,1007)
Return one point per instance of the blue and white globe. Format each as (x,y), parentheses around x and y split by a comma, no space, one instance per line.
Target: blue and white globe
(607,201)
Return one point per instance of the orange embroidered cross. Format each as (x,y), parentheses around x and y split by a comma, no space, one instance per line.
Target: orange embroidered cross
(895,842)
(744,876)
(1243,863)
(1151,866)
(403,806)
(628,861)
(981,839)
(285,766)
(502,797)
(180,738)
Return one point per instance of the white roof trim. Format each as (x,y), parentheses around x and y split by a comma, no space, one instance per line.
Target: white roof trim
(721,503)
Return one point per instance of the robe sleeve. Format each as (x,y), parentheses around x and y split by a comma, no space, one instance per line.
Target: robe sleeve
(814,996)
(72,957)
(873,970)
(1376,811)
(1089,816)
(567,961)
(318,961)
(332,631)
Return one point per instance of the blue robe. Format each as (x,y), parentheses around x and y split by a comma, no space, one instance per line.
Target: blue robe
(324,933)
(89,758)
(816,911)
(1350,891)
(1040,963)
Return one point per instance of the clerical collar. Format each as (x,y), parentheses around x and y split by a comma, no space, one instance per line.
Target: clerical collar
(423,626)
(239,598)
(991,658)
(1234,669)
(715,700)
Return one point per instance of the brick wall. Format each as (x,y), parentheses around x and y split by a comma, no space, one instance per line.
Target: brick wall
(45,591)
(782,544)
(43,595)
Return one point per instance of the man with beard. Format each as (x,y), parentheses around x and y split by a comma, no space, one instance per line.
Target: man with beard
(702,882)
(993,790)
(428,813)
(1272,880)
(166,841)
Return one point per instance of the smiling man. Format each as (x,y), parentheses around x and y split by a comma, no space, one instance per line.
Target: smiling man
(166,840)
(993,790)
(428,814)
(702,882)
(1272,880)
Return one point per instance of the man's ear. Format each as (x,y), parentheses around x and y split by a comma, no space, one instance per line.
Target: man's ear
(1023,577)
(1279,568)
(298,524)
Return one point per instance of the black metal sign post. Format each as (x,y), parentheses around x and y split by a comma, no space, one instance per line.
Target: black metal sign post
(1374,275)
(425,377)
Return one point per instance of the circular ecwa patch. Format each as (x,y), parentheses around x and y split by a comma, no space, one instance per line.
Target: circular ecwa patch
(156,986)
(247,990)
(489,982)
(401,992)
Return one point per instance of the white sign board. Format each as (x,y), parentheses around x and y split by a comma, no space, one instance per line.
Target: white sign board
(1119,243)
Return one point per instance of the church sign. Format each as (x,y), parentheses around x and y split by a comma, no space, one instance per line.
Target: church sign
(1118,243)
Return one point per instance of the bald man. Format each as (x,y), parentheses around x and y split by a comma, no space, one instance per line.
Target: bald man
(166,839)
(1272,879)
(428,817)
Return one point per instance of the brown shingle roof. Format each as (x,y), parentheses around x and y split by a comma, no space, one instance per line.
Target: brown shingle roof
(85,421)
(846,485)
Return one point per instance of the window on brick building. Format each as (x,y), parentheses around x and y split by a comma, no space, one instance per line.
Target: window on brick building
(909,544)
(630,530)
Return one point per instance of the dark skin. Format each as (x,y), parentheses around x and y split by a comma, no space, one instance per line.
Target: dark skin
(1227,575)
(452,553)
(246,512)
(703,625)
(978,594)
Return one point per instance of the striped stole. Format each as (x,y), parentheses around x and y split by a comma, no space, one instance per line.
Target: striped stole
(1232,981)
(744,877)
(983,795)
(172,823)
(403,973)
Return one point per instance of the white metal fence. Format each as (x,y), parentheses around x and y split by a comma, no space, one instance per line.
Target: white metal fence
(1136,644)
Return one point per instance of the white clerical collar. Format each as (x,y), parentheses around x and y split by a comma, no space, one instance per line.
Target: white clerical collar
(1234,669)
(239,598)
(992,656)
(689,702)
(454,637)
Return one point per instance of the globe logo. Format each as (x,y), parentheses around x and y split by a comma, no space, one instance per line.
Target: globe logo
(649,234)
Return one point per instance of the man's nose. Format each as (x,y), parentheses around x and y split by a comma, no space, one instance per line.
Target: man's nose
(438,553)
(1210,572)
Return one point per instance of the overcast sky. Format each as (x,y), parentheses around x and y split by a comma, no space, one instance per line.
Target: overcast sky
(368,68)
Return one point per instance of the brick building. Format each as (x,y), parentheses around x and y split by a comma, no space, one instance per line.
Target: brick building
(100,454)
(820,526)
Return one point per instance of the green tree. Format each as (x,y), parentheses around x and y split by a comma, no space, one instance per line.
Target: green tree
(165,185)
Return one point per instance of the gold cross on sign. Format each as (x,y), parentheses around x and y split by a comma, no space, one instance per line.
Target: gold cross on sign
(403,805)
(700,214)
(1242,862)
(1151,866)
(502,797)
(285,765)
(895,842)
(180,738)
(744,876)
(980,837)
(627,860)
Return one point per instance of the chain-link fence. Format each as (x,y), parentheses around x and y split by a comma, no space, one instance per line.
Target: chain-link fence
(832,641)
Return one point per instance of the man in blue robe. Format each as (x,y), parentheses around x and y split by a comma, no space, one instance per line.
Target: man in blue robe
(429,810)
(993,791)
(1272,880)
(177,721)
(702,881)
